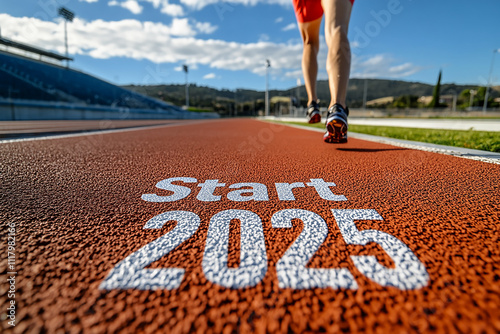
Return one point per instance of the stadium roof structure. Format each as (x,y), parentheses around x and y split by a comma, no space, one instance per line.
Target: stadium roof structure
(41,52)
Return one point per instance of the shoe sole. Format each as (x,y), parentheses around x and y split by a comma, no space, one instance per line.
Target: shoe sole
(315,119)
(337,131)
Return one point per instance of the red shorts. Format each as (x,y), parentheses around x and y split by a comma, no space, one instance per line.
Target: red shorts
(309,10)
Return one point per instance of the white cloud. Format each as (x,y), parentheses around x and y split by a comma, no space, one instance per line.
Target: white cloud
(132,5)
(374,61)
(183,27)
(200,4)
(294,74)
(264,38)
(209,76)
(291,26)
(166,7)
(404,70)
(354,44)
(172,10)
(177,44)
(179,27)
(89,1)
(205,27)
(156,42)
(381,66)
(278,20)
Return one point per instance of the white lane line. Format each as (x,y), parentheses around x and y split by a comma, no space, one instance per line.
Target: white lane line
(97,132)
(446,124)
(485,156)
(489,125)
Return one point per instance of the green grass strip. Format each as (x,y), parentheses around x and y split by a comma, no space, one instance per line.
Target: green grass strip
(478,140)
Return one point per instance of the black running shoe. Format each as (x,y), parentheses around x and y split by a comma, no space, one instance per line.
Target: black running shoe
(336,124)
(313,114)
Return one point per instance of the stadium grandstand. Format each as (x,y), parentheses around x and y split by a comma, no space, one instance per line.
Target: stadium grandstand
(34,84)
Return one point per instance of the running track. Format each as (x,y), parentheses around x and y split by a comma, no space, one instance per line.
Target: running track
(406,240)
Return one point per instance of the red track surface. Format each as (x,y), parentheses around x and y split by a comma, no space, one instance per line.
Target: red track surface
(77,210)
(19,128)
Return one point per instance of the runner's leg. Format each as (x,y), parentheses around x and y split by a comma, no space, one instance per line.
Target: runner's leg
(338,63)
(310,37)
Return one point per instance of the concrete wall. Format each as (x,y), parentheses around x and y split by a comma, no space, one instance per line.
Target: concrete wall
(15,110)
(414,113)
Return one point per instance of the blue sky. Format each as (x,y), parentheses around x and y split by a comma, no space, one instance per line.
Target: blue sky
(225,43)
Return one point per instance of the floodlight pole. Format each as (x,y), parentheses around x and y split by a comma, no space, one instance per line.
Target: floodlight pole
(187,85)
(486,96)
(365,91)
(68,16)
(299,83)
(66,41)
(268,64)
(472,92)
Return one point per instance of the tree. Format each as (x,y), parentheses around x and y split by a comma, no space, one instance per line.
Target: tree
(464,100)
(405,101)
(436,94)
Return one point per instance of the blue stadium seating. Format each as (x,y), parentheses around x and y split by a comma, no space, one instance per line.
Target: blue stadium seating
(12,87)
(23,78)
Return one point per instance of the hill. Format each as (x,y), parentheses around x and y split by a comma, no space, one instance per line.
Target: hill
(203,96)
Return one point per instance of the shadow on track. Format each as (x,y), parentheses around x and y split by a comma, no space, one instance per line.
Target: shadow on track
(370,149)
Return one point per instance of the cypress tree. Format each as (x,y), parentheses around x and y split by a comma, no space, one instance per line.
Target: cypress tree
(435,94)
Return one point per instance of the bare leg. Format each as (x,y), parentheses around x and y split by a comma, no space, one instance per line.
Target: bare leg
(338,62)
(310,37)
